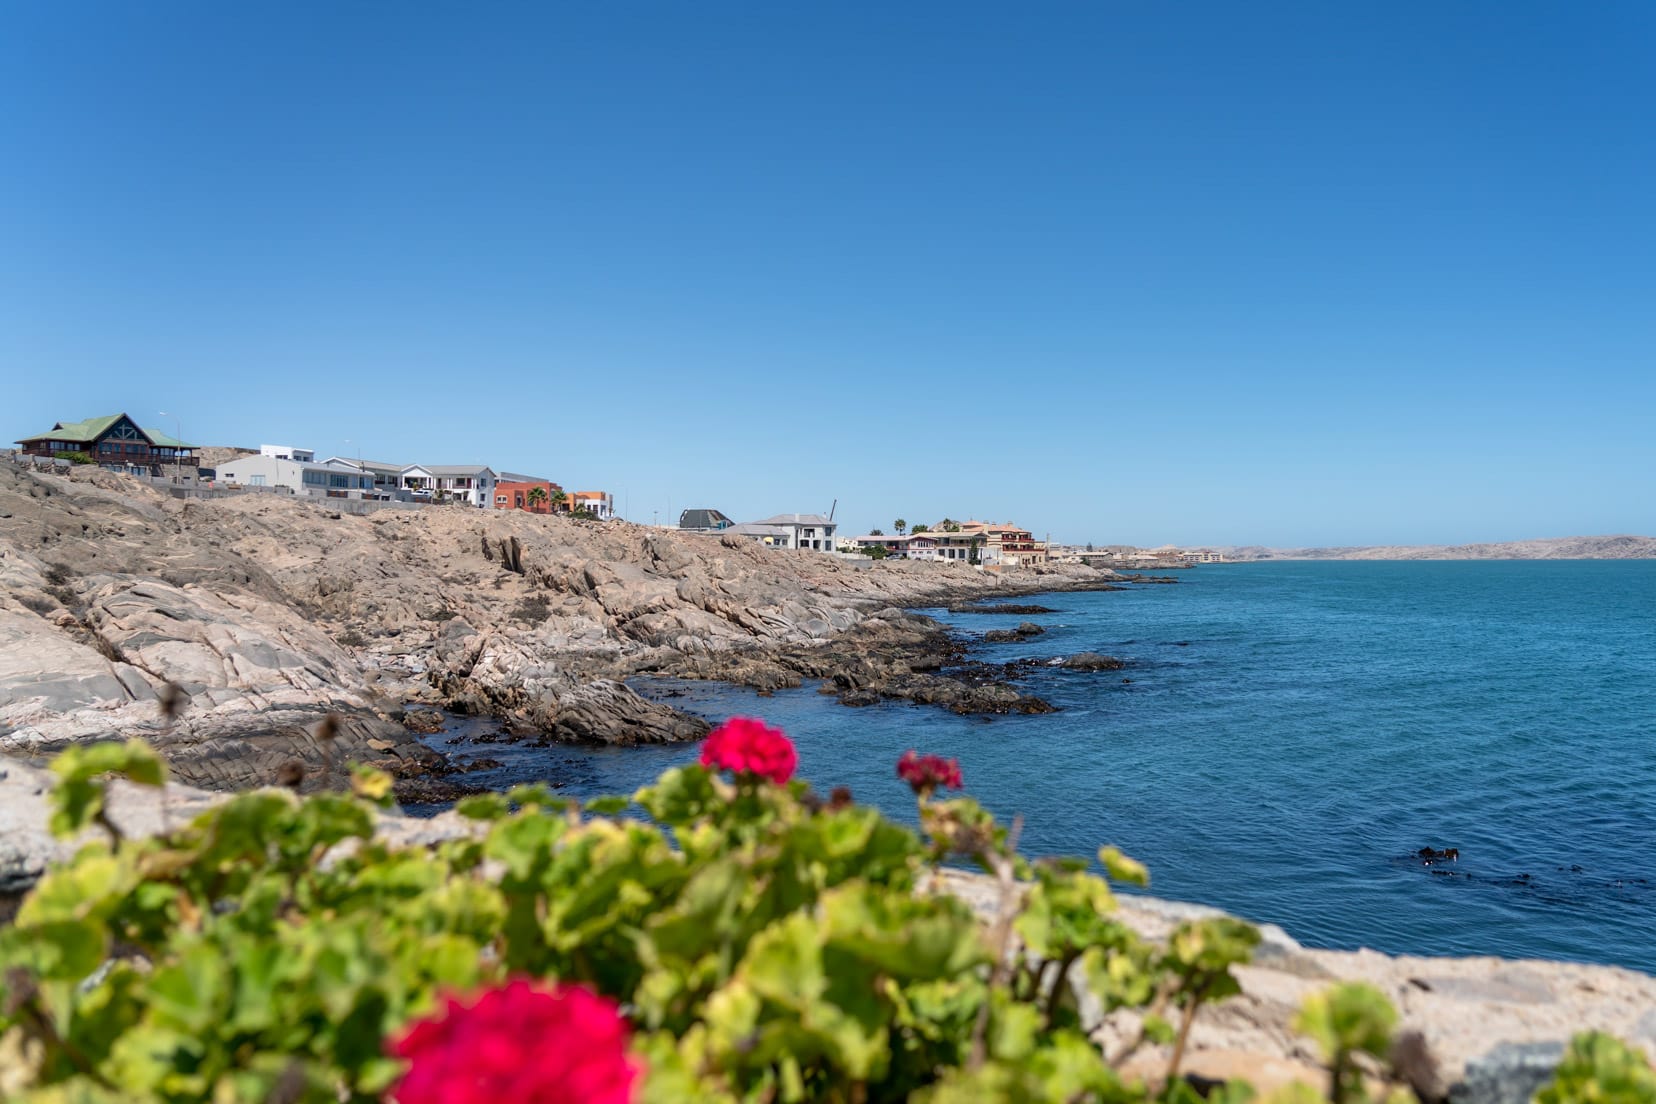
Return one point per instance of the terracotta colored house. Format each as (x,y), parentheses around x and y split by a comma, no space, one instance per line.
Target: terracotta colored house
(519,494)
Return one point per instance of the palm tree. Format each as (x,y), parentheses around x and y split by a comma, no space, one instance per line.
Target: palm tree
(558,500)
(899,525)
(537,496)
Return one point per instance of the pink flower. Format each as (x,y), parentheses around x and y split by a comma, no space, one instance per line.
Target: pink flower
(747,746)
(924,773)
(518,1044)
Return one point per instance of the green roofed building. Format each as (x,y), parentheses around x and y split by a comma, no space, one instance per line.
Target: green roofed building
(113,441)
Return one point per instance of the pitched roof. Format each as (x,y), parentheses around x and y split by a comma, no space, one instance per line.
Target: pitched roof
(704,519)
(364,465)
(519,477)
(164,440)
(453,469)
(796,519)
(86,430)
(90,429)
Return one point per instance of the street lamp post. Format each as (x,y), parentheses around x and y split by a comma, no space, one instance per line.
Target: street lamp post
(178,443)
(361,470)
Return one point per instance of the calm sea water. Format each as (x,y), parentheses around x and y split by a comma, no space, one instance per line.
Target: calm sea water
(1290,734)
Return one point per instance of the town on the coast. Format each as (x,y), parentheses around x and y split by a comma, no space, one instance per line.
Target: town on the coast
(116,442)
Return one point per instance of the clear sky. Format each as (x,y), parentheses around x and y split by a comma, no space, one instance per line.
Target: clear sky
(1123,272)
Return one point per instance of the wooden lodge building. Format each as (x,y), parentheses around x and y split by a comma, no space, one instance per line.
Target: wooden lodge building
(116,442)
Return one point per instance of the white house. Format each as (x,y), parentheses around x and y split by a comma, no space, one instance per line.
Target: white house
(288,452)
(472,484)
(600,504)
(811,532)
(387,477)
(295,476)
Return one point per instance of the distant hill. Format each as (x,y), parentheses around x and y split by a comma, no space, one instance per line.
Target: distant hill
(1546,548)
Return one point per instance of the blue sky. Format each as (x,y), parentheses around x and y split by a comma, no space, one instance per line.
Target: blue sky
(1231,273)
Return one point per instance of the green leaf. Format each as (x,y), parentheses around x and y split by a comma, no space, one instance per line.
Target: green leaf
(606,806)
(133,760)
(1352,1016)
(681,796)
(61,950)
(523,842)
(371,784)
(903,935)
(537,795)
(189,994)
(88,885)
(1122,869)
(76,803)
(484,806)
(1598,1069)
(784,962)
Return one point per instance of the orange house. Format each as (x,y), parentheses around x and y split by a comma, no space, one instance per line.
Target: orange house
(519,495)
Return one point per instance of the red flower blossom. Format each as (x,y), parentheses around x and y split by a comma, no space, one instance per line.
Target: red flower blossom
(518,1044)
(747,746)
(924,773)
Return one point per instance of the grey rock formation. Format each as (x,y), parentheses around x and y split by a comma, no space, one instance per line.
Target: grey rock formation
(273,612)
(1091,661)
(1025,631)
(1511,1073)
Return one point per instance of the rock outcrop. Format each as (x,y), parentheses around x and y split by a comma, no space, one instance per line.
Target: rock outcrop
(1025,630)
(1091,661)
(271,612)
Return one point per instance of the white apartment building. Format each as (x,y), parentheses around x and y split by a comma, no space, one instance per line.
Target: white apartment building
(811,532)
(296,476)
(288,452)
(472,484)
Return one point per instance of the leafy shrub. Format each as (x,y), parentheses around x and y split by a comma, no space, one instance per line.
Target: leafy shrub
(1346,1021)
(38,603)
(749,941)
(532,610)
(1599,1070)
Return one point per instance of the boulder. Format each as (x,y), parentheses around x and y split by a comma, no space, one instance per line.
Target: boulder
(1091,661)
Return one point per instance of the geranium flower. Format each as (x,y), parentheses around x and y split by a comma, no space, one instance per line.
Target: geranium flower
(518,1044)
(924,773)
(747,746)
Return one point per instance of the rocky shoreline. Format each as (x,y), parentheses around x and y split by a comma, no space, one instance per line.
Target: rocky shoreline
(269,613)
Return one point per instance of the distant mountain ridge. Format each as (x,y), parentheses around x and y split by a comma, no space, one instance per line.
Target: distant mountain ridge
(1546,548)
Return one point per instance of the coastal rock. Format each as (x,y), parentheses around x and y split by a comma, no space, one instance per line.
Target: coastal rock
(274,611)
(1025,631)
(1020,608)
(1511,1073)
(1091,661)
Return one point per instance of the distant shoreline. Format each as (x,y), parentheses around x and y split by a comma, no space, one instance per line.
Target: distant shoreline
(1621,547)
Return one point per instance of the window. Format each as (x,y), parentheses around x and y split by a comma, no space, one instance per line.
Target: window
(257,481)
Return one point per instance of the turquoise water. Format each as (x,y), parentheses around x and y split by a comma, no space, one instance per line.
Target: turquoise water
(1291,733)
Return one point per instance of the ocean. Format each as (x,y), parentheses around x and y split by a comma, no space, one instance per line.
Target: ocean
(1283,740)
